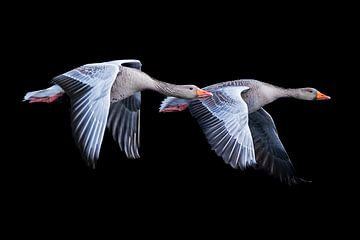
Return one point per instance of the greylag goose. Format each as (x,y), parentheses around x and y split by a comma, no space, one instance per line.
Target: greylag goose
(108,94)
(239,129)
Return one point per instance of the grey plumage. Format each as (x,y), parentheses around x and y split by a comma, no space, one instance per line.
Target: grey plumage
(224,121)
(223,116)
(124,124)
(89,90)
(258,95)
(108,94)
(270,153)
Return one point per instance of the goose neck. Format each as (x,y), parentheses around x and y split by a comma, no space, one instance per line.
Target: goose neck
(167,89)
(290,93)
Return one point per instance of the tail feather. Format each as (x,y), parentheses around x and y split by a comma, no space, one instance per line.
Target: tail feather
(172,103)
(54,90)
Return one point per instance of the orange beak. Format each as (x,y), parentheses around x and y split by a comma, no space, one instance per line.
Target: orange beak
(321,96)
(202,93)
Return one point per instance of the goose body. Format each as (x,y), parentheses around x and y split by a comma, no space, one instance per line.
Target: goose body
(108,95)
(238,128)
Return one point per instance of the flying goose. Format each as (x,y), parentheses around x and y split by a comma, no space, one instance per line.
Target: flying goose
(108,94)
(239,129)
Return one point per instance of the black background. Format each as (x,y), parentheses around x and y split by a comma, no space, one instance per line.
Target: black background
(177,169)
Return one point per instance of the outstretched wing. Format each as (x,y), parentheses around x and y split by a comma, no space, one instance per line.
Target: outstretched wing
(224,121)
(124,124)
(89,89)
(271,155)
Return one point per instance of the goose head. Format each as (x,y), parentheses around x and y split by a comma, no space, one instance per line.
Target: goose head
(190,92)
(310,94)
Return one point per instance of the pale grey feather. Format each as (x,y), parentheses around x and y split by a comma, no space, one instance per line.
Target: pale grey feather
(224,121)
(89,89)
(271,155)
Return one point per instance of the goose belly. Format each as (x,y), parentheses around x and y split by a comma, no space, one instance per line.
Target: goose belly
(253,102)
(120,90)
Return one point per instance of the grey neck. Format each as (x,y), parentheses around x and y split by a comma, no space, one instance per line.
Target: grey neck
(266,94)
(273,93)
(278,92)
(167,89)
(290,93)
(141,81)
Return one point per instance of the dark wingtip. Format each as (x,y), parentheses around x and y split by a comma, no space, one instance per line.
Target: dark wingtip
(90,162)
(133,156)
(295,181)
(91,165)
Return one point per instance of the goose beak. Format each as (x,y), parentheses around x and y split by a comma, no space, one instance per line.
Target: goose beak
(202,93)
(321,96)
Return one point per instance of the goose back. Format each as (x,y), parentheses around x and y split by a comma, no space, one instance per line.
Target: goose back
(258,95)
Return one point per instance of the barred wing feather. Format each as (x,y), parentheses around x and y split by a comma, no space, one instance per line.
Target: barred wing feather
(224,121)
(89,89)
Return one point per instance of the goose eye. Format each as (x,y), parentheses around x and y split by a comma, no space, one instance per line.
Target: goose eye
(191,88)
